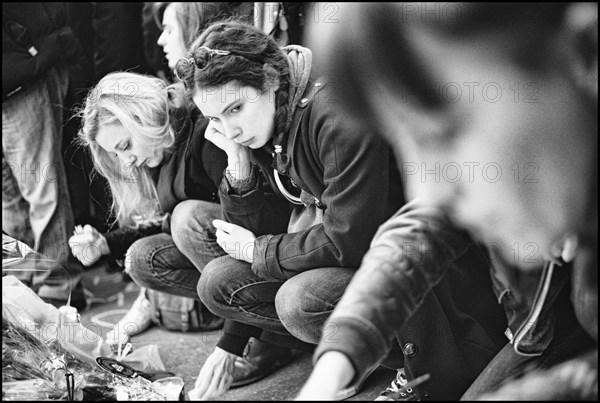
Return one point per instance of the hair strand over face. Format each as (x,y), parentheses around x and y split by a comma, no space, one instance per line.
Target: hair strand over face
(140,104)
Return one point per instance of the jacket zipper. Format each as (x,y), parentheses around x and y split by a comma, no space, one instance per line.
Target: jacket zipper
(534,314)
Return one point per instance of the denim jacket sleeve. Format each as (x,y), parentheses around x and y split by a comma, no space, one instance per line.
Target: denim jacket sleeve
(409,255)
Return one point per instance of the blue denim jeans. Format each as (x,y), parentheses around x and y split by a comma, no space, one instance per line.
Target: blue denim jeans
(229,288)
(299,306)
(156,262)
(35,200)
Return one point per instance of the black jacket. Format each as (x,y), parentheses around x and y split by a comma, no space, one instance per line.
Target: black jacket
(353,175)
(425,284)
(35,38)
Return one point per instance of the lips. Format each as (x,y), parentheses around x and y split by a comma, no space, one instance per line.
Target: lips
(247,142)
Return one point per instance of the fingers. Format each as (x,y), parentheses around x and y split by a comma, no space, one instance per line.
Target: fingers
(194,394)
(224,239)
(209,135)
(225,383)
(223,236)
(88,229)
(92,234)
(219,383)
(77,245)
(216,137)
(215,376)
(88,261)
(203,380)
(224,226)
(73,241)
(213,387)
(211,132)
(85,250)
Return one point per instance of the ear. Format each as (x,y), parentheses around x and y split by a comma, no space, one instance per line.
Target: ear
(177,96)
(271,78)
(581,28)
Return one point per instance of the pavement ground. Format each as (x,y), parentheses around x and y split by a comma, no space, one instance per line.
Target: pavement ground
(185,353)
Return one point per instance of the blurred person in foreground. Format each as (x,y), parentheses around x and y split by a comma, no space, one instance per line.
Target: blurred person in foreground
(539,129)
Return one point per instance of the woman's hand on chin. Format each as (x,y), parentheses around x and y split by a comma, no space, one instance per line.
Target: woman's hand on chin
(219,139)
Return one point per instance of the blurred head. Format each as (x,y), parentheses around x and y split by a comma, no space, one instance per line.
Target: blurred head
(126,125)
(492,109)
(239,78)
(182,23)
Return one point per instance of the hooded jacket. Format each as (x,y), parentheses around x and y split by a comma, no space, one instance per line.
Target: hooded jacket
(350,175)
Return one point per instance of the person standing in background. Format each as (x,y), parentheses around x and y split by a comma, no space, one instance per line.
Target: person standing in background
(38,47)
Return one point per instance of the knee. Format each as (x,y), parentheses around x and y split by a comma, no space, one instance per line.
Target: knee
(137,261)
(190,219)
(211,287)
(181,219)
(298,312)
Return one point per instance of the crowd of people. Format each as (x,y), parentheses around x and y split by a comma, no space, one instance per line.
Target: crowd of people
(419,178)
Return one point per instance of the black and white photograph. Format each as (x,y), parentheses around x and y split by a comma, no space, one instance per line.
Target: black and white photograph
(374,201)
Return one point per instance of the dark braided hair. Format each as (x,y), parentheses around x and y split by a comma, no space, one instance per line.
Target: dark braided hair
(256,61)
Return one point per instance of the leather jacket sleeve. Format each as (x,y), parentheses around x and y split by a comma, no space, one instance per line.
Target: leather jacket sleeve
(409,255)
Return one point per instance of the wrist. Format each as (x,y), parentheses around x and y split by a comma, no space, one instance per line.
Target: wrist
(245,184)
(239,165)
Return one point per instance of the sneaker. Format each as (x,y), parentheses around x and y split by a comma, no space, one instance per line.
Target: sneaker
(138,319)
(259,360)
(395,391)
(353,389)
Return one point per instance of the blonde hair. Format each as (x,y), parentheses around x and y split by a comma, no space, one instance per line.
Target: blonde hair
(140,104)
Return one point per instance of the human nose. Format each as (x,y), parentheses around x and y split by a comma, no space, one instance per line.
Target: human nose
(231,132)
(427,181)
(126,158)
(161,40)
